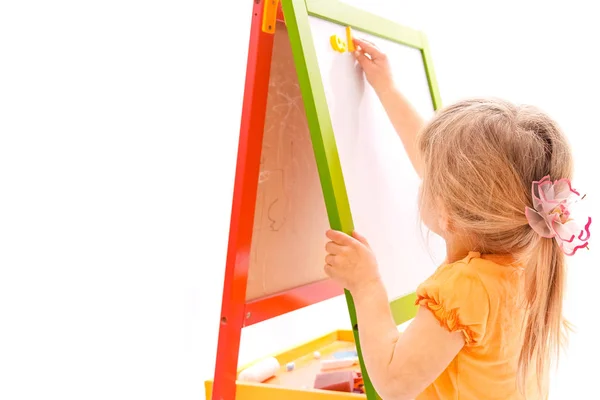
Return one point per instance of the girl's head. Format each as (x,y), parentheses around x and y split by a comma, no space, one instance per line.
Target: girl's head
(480,158)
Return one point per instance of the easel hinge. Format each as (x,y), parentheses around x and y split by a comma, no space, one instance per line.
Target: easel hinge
(270,16)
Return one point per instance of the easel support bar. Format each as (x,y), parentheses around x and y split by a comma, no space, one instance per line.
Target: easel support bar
(270,16)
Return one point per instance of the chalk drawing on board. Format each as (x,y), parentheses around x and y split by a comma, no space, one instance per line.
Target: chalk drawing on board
(380,181)
(288,242)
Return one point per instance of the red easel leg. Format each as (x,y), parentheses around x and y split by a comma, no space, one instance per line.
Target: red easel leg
(242,213)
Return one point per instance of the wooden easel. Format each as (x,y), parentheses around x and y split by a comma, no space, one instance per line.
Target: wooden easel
(236,313)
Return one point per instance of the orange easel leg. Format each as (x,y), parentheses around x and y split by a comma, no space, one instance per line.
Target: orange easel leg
(242,213)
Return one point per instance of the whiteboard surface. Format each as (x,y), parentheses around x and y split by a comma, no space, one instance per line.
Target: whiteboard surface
(381,183)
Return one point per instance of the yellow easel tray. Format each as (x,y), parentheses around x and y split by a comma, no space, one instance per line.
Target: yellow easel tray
(298,383)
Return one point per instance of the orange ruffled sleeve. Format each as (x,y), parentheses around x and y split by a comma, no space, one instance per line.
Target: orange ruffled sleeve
(458,299)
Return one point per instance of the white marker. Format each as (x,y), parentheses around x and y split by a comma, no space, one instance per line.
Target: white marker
(342,363)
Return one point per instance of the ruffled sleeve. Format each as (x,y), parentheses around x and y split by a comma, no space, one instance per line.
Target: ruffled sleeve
(458,299)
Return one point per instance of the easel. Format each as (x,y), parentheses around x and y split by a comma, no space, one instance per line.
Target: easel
(237,312)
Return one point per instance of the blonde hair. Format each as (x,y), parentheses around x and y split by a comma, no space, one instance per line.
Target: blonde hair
(480,158)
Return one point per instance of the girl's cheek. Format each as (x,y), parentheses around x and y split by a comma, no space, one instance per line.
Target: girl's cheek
(430,220)
(428,214)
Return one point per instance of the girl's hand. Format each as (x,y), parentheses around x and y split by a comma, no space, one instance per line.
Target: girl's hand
(376,68)
(350,261)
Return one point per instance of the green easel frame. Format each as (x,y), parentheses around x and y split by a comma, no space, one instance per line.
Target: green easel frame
(296,14)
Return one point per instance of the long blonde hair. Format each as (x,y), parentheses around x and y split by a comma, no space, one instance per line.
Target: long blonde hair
(480,158)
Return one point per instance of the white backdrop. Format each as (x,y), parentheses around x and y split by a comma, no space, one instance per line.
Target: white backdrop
(118,138)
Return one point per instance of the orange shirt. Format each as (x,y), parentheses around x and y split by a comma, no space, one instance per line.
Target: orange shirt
(478,296)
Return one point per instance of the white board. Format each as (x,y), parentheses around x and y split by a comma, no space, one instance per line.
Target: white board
(381,183)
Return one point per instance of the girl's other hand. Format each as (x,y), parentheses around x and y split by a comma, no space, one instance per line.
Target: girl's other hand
(350,261)
(375,66)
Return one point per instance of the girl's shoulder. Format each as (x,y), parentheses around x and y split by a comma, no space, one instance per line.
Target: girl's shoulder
(459,293)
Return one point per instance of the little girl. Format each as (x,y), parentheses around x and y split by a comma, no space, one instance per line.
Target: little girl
(496,186)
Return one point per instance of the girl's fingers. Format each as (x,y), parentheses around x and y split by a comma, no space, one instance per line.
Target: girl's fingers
(339,238)
(360,238)
(330,260)
(362,59)
(369,48)
(333,248)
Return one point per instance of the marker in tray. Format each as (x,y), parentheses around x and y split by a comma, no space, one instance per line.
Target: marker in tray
(339,363)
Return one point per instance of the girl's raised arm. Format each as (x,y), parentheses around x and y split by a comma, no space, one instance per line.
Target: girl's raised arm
(405,119)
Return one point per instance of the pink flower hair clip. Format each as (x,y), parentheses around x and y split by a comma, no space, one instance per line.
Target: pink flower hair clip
(551,217)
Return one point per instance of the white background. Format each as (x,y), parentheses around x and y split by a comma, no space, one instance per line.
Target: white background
(118,137)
